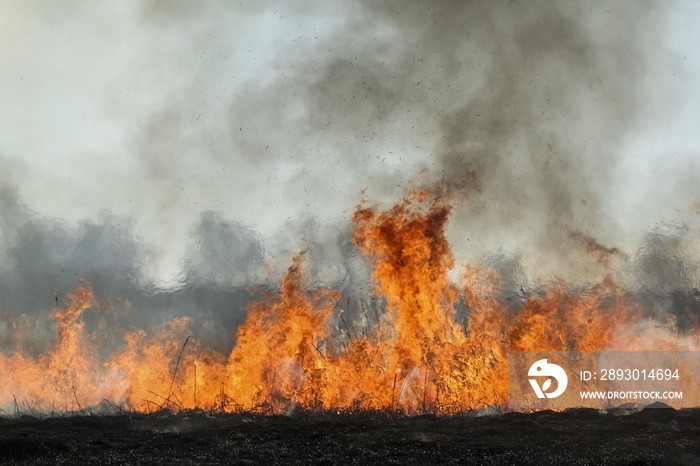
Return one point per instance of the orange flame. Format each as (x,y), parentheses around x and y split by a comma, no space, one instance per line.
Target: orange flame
(417,357)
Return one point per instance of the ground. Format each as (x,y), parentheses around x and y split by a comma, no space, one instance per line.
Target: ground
(651,436)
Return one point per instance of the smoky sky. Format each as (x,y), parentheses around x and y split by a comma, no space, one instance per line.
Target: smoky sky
(212,141)
(224,269)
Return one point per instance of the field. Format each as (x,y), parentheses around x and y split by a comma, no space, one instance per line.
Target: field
(582,436)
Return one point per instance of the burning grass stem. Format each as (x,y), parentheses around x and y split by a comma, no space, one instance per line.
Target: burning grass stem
(75,395)
(172,381)
(425,386)
(167,400)
(319,351)
(177,365)
(222,393)
(347,328)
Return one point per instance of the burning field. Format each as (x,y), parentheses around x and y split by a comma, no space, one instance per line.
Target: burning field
(343,384)
(296,348)
(289,231)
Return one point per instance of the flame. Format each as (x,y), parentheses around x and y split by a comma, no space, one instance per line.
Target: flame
(276,359)
(296,348)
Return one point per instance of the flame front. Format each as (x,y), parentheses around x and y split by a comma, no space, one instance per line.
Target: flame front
(416,358)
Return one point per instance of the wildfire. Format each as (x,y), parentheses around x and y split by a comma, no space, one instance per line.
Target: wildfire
(417,357)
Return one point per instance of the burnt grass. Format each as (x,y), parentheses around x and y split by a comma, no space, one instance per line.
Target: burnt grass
(581,436)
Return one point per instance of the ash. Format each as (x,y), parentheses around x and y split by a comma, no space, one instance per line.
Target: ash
(581,436)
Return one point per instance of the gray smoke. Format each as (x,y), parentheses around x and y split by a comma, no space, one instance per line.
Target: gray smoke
(44,260)
(534,102)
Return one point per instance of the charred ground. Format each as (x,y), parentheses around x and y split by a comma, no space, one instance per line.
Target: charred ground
(582,436)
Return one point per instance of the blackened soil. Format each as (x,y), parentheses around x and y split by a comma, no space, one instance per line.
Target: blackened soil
(659,436)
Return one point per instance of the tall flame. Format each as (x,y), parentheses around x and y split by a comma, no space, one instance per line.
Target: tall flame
(416,357)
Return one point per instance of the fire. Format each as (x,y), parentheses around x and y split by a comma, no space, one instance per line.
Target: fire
(416,358)
(67,375)
(276,360)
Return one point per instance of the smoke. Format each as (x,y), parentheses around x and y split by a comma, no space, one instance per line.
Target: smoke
(176,154)
(665,273)
(535,103)
(45,259)
(537,100)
